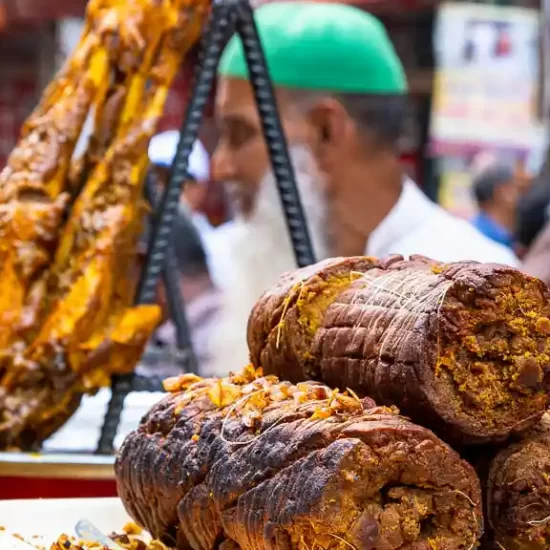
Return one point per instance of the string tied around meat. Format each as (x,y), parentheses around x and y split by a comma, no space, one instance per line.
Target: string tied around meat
(407,295)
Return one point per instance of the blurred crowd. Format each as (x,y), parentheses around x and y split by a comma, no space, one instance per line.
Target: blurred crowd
(510,201)
(514,208)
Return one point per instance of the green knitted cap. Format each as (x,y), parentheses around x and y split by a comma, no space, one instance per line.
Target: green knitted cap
(317,46)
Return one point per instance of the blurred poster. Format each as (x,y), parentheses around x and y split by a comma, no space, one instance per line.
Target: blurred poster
(455,187)
(486,85)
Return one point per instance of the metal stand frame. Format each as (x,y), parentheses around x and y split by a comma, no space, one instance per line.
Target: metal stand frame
(176,304)
(227,15)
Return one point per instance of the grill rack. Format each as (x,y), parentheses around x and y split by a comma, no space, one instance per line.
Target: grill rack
(227,16)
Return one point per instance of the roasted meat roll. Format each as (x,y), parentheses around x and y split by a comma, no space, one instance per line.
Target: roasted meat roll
(518,492)
(250,462)
(461,348)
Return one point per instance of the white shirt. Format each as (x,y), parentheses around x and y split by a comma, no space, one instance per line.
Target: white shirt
(217,243)
(416,225)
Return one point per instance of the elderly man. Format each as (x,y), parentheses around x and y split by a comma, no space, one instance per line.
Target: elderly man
(341,93)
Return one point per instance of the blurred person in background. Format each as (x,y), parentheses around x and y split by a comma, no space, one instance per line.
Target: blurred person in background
(162,151)
(534,228)
(532,212)
(496,192)
(341,93)
(527,170)
(201,304)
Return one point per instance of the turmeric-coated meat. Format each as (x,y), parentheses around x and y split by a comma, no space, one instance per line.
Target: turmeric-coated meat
(250,462)
(461,348)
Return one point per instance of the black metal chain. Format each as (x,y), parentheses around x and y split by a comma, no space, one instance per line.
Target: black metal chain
(124,385)
(121,387)
(274,135)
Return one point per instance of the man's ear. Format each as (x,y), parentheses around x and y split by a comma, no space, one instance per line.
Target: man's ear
(328,122)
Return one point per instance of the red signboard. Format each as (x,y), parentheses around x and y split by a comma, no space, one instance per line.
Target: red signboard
(27,487)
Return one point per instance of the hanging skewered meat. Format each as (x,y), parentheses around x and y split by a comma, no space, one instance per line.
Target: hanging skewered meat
(68,234)
(461,348)
(250,462)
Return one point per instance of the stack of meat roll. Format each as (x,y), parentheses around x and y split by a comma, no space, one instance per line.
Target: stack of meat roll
(252,462)
(314,453)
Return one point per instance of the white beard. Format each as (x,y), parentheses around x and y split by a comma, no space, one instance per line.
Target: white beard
(260,251)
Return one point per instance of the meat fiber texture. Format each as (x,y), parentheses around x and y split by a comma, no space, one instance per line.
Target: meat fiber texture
(461,348)
(518,492)
(253,463)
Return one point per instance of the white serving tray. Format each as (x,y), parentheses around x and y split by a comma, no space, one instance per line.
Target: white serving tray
(41,521)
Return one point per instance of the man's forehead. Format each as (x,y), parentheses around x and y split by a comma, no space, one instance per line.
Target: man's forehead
(235,100)
(235,97)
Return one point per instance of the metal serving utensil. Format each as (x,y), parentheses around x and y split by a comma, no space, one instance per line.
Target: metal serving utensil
(86,530)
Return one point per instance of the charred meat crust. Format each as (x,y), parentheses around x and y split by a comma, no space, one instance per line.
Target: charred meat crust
(276,336)
(518,492)
(459,347)
(314,468)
